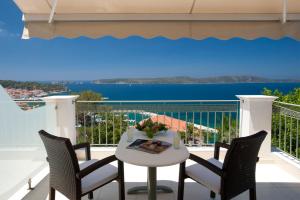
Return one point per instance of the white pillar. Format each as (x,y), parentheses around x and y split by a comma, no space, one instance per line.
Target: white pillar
(256,115)
(65,115)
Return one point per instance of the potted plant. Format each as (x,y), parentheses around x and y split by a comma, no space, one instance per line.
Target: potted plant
(151,128)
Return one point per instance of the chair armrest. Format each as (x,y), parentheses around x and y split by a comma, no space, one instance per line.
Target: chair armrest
(207,164)
(87,149)
(217,149)
(95,166)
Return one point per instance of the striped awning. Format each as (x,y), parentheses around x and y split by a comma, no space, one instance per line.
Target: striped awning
(173,19)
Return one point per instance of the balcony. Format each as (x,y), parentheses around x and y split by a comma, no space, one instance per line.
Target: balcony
(201,124)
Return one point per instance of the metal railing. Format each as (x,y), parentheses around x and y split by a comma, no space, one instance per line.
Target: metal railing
(200,122)
(285,128)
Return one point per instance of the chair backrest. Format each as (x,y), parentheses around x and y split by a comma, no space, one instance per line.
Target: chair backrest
(240,164)
(63,164)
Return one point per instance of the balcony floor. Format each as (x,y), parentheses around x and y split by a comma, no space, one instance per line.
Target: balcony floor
(276,180)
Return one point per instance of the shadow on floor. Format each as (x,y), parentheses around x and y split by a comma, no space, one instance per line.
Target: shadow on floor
(193,191)
(40,192)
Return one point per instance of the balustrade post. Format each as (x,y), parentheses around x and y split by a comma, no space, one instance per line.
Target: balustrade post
(65,115)
(256,115)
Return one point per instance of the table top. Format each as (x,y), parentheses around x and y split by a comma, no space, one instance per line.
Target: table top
(168,157)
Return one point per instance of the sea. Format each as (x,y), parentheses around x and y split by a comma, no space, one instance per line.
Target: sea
(180,91)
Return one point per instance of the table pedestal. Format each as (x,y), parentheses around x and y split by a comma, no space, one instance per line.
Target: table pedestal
(151,187)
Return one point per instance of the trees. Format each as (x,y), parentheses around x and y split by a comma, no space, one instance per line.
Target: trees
(97,122)
(292,97)
(89,95)
(285,121)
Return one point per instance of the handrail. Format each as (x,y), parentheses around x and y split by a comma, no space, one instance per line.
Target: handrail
(157,101)
(288,104)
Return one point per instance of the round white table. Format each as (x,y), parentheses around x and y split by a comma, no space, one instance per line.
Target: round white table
(170,156)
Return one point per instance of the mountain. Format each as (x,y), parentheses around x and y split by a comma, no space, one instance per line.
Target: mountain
(191,80)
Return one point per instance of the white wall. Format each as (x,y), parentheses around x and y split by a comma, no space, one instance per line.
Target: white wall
(256,115)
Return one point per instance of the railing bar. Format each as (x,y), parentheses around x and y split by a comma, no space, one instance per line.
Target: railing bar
(92,127)
(164,117)
(178,121)
(159,101)
(297,139)
(284,133)
(280,126)
(237,121)
(193,127)
(215,126)
(229,126)
(135,118)
(77,119)
(288,104)
(200,122)
(186,127)
(171,120)
(273,128)
(106,119)
(99,131)
(113,118)
(222,136)
(121,123)
(84,124)
(291,132)
(77,124)
(207,128)
(127,120)
(286,108)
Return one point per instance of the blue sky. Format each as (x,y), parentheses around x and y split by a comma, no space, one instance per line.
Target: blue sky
(89,59)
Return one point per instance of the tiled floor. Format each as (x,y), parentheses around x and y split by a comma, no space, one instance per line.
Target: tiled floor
(273,182)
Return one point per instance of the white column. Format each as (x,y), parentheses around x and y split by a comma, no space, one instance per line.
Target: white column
(65,115)
(256,115)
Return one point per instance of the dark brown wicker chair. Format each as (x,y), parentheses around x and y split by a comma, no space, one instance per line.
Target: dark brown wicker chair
(74,180)
(234,176)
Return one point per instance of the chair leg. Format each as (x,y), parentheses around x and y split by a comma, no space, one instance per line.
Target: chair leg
(252,193)
(223,198)
(90,195)
(180,195)
(51,193)
(212,195)
(121,180)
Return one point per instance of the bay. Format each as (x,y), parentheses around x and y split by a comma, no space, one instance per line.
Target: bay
(180,91)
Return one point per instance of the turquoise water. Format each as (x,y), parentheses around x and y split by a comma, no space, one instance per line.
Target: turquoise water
(180,91)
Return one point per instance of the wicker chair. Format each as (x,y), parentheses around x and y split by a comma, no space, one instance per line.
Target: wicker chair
(234,176)
(74,180)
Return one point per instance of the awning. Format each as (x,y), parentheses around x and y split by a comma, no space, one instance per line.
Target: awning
(173,19)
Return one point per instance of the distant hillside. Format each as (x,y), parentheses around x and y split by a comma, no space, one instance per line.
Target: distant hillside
(47,87)
(190,80)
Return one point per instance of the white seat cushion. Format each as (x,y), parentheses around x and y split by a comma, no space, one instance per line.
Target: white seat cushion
(98,177)
(204,176)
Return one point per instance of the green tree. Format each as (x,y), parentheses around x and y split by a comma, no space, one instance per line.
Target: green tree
(285,121)
(89,95)
(97,122)
(292,97)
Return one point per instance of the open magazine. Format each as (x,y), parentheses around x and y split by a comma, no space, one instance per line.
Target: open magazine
(149,146)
